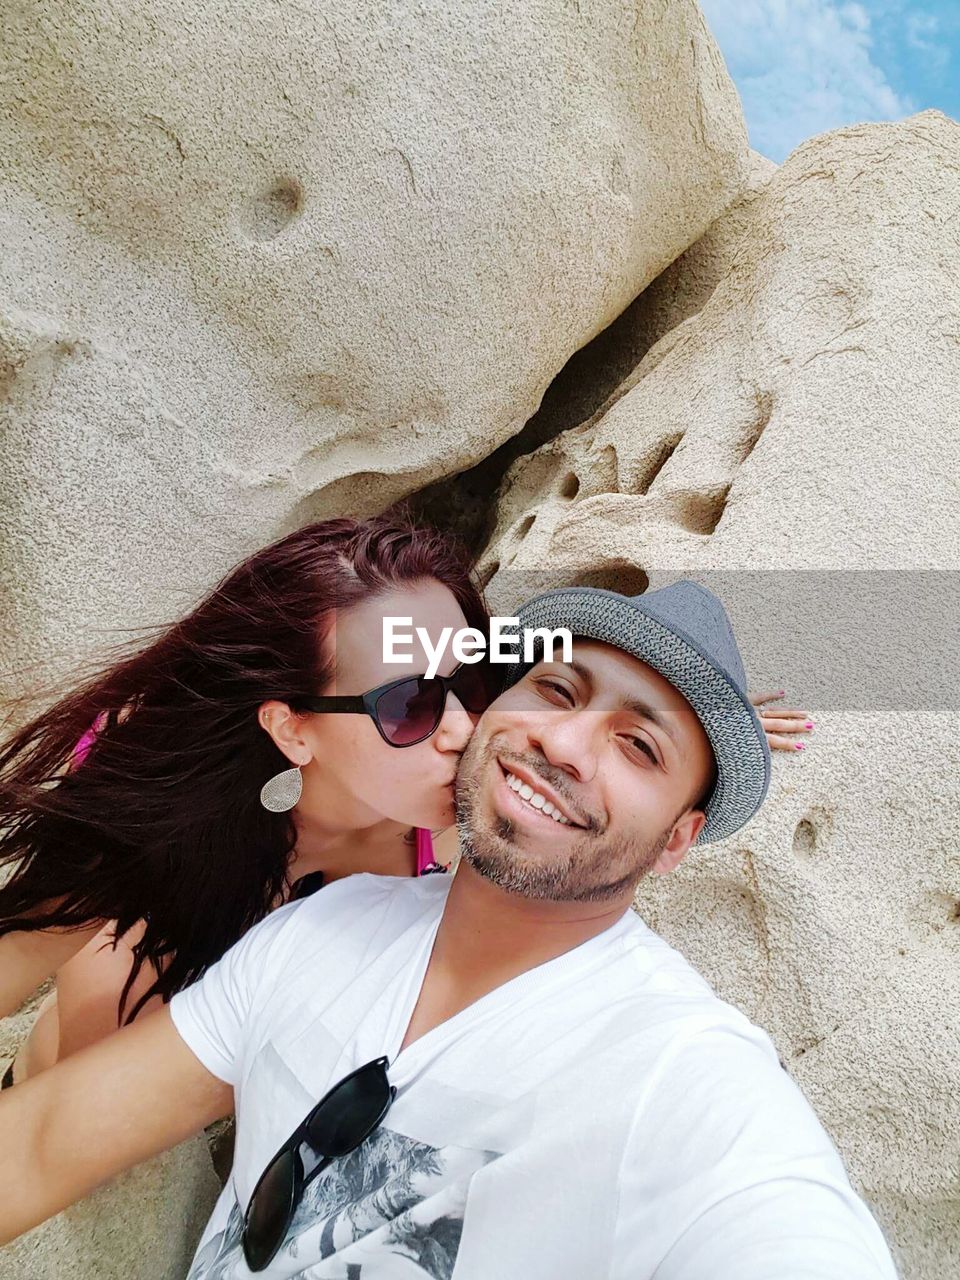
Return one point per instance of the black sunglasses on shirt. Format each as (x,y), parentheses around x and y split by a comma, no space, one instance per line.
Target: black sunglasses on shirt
(409,710)
(341,1121)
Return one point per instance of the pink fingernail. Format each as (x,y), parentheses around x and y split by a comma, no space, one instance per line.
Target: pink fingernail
(781,693)
(808,725)
(799,746)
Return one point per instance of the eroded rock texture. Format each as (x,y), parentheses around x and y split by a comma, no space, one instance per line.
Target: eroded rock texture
(598,373)
(805,419)
(264,263)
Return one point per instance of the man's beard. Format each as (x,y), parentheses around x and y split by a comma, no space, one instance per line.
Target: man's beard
(581,873)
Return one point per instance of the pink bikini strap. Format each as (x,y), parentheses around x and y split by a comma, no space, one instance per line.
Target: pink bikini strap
(425,855)
(82,749)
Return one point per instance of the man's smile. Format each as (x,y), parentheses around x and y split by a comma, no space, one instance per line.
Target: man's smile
(521,791)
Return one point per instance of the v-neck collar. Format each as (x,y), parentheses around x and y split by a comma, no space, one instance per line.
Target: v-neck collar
(404,1063)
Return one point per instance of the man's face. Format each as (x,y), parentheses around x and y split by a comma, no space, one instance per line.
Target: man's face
(581,778)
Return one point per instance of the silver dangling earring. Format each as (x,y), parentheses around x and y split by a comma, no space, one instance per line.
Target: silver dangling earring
(283,790)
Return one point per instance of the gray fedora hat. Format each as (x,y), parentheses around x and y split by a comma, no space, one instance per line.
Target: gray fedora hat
(683,632)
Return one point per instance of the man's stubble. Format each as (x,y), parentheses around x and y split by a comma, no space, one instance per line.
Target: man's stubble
(580,874)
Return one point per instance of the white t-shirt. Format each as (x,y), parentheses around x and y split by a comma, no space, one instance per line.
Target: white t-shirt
(601,1117)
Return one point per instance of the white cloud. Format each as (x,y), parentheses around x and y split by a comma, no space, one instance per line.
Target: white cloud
(920,27)
(924,35)
(802,67)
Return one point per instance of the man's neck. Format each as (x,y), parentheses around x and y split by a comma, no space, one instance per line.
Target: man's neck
(488,936)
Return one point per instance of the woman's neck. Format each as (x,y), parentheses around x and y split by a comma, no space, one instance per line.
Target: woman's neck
(386,849)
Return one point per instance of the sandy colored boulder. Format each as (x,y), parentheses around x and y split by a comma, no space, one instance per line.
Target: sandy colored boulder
(685,287)
(806,421)
(270,262)
(805,417)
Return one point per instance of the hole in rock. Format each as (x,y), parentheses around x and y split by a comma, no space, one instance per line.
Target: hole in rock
(658,460)
(570,486)
(764,401)
(490,573)
(525,526)
(272,211)
(805,839)
(625,578)
(701,512)
(941,910)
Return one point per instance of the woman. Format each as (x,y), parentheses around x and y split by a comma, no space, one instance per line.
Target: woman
(215,786)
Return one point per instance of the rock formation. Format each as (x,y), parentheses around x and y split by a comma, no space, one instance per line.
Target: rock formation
(272,262)
(599,371)
(822,368)
(805,420)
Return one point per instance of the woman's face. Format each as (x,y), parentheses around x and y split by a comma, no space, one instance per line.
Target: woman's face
(355,778)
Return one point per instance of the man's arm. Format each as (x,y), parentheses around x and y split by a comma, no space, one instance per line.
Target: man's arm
(792,1228)
(729,1174)
(69,1129)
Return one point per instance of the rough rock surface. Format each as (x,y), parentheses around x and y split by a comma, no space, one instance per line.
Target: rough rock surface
(599,373)
(806,419)
(685,286)
(270,262)
(276,261)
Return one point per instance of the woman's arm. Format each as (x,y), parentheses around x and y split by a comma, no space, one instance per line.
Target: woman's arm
(29,958)
(86,1005)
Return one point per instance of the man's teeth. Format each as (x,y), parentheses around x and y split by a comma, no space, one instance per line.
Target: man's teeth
(534,798)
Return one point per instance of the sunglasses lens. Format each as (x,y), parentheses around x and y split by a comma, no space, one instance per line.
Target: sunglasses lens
(351,1111)
(270,1210)
(410,711)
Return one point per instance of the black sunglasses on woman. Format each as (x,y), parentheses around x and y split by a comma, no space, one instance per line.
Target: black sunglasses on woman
(408,710)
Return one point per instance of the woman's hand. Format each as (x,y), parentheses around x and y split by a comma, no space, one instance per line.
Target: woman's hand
(781,724)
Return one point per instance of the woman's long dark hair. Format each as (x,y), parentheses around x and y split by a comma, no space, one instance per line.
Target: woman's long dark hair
(162,821)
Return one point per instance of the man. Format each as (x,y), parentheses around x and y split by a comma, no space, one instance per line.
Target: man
(545,1089)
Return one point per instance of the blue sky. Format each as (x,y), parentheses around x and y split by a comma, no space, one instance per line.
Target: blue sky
(804,66)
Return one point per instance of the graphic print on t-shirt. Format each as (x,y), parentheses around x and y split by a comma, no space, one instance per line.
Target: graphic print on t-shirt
(391,1209)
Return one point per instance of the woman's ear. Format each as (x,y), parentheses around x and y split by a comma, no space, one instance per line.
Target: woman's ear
(685,831)
(285,727)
